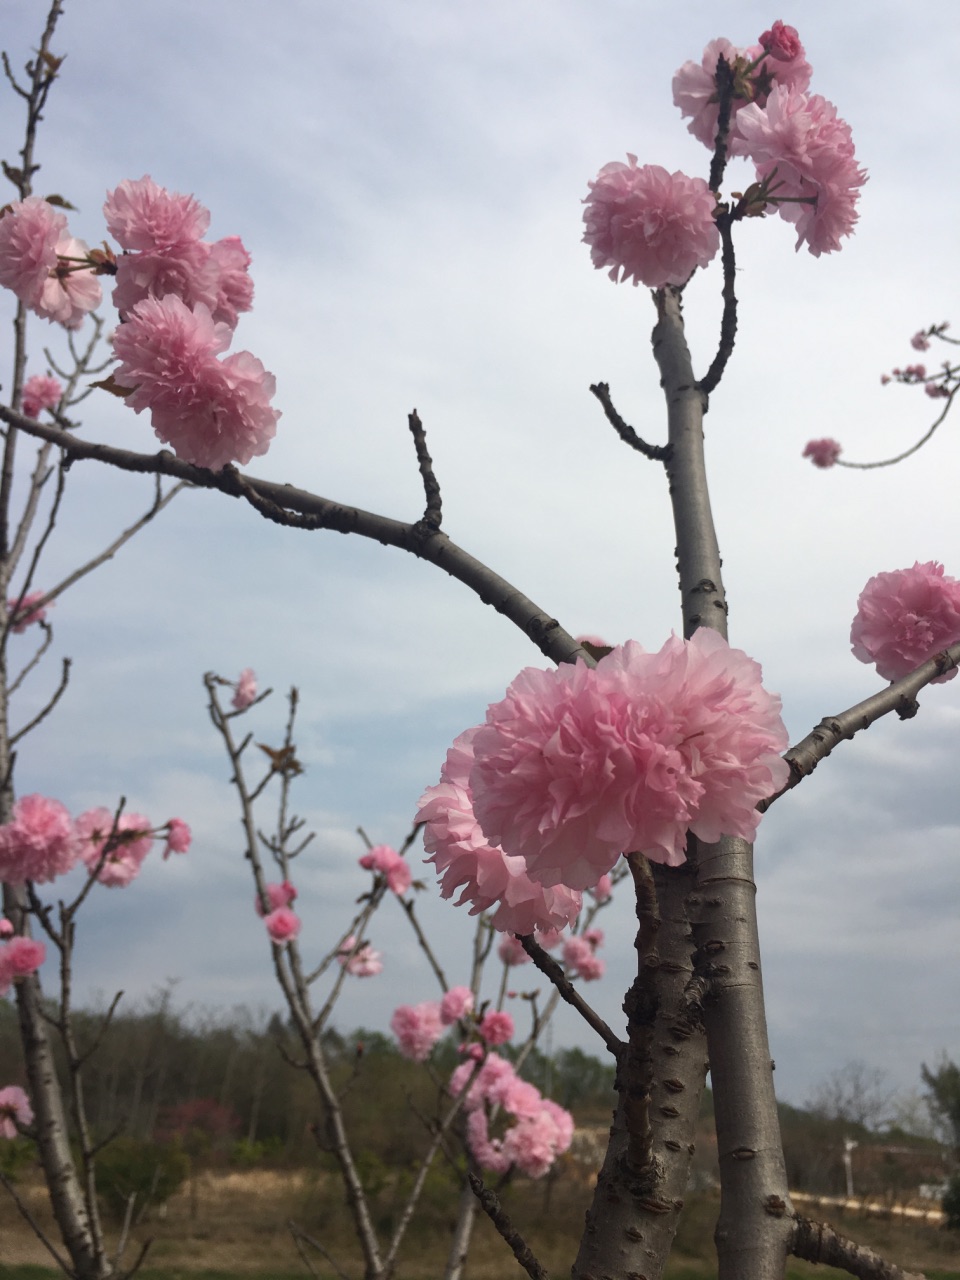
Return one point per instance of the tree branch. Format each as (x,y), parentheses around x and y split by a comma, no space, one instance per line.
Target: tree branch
(285,501)
(818,1242)
(500,1219)
(655,452)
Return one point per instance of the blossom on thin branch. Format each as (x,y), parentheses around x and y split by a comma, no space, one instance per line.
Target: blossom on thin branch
(19,957)
(283,925)
(417,1028)
(114,847)
(906,617)
(381,858)
(15,1110)
(211,411)
(822,453)
(40,392)
(359,961)
(44,265)
(24,612)
(39,843)
(649,225)
(577,765)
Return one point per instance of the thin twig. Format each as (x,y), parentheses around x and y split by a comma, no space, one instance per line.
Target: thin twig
(728,323)
(832,730)
(550,969)
(434,510)
(889,462)
(299,1234)
(498,1216)
(45,711)
(655,452)
(34,1225)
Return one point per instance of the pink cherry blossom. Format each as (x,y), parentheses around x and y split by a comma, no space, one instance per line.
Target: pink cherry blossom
(142,216)
(40,392)
(211,411)
(496,1027)
(72,291)
(485,875)
(389,863)
(6,928)
(162,232)
(278,895)
(782,42)
(695,84)
(576,765)
(920,341)
(649,225)
(533,1144)
(906,617)
(823,453)
(456,1004)
(548,938)
(417,1028)
(510,950)
(245,690)
(39,843)
(14,1109)
(282,925)
(602,891)
(581,960)
(128,839)
(30,231)
(805,152)
(359,961)
(179,837)
(23,956)
(25,613)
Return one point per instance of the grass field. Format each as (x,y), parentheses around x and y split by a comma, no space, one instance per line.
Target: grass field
(230,1225)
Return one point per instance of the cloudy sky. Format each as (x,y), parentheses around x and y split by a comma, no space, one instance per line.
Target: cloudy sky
(408,180)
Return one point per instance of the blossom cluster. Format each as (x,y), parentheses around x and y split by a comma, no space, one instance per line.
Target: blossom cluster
(179,299)
(541,1130)
(42,841)
(14,1109)
(939,385)
(578,765)
(26,610)
(419,1027)
(18,958)
(360,960)
(656,228)
(44,265)
(388,863)
(906,617)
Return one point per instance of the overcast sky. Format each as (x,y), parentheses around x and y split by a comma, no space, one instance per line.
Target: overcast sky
(408,180)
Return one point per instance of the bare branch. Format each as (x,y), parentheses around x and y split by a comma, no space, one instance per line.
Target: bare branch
(655,452)
(818,1242)
(433,512)
(291,503)
(832,730)
(42,714)
(550,969)
(300,1235)
(889,462)
(498,1216)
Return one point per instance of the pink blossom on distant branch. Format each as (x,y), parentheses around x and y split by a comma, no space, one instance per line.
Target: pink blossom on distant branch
(456,1004)
(581,960)
(6,928)
(602,891)
(245,690)
(576,765)
(24,612)
(40,392)
(212,412)
(906,617)
(128,839)
(496,1027)
(282,925)
(823,453)
(649,225)
(14,1109)
(484,874)
(920,341)
(278,895)
(417,1028)
(510,950)
(179,837)
(39,843)
(359,962)
(390,864)
(23,956)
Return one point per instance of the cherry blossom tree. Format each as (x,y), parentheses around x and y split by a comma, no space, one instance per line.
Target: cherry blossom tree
(656,766)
